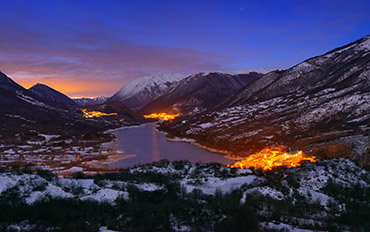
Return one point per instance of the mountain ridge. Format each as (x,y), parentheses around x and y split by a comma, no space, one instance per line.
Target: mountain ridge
(90,101)
(140,91)
(321,105)
(198,92)
(51,95)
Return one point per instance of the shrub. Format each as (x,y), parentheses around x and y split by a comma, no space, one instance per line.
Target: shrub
(47,175)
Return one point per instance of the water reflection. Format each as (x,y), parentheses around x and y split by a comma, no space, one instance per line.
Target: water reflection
(149,145)
(155,150)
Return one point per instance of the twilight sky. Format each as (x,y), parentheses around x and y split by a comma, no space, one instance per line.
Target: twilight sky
(93,47)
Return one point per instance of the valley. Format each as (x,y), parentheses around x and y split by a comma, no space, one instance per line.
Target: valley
(288,150)
(320,106)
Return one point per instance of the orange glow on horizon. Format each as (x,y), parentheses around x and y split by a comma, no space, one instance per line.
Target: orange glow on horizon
(75,88)
(162,116)
(269,158)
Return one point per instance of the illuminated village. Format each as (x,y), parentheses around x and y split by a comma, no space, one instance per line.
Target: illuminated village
(269,158)
(95,114)
(161,116)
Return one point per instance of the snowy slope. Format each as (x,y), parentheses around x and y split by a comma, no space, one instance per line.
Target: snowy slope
(321,105)
(199,92)
(139,92)
(208,178)
(308,196)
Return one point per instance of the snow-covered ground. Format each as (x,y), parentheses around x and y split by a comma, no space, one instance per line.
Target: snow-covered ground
(33,188)
(208,179)
(306,184)
(63,156)
(282,227)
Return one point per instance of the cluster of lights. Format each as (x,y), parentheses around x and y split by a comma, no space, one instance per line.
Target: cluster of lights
(162,116)
(95,114)
(272,157)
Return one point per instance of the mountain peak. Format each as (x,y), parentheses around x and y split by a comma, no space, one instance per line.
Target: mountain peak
(39,85)
(50,94)
(198,92)
(140,91)
(136,85)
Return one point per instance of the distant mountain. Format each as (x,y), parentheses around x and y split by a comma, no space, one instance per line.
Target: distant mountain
(321,105)
(14,97)
(90,101)
(141,91)
(22,111)
(51,95)
(199,92)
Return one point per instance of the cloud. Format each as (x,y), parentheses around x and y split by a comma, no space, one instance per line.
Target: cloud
(70,55)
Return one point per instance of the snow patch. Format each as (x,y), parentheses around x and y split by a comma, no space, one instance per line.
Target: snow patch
(106,195)
(264,191)
(212,184)
(282,227)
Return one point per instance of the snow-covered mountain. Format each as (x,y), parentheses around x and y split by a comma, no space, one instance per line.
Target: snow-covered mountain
(199,92)
(141,91)
(321,105)
(51,95)
(90,101)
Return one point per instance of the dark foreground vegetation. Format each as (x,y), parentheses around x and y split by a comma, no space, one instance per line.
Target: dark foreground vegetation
(145,212)
(172,208)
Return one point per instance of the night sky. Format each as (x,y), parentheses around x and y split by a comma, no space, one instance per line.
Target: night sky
(93,47)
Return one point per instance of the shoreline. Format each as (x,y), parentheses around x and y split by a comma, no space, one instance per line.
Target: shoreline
(225,153)
(128,127)
(87,157)
(110,159)
(222,152)
(195,143)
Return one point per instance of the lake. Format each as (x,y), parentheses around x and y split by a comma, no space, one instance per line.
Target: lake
(150,145)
